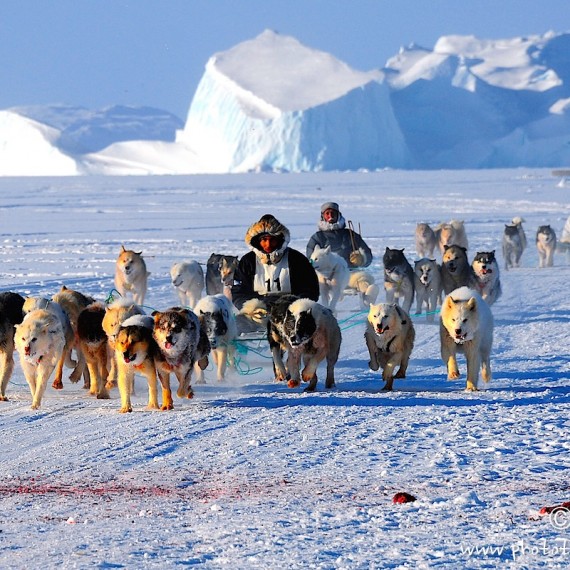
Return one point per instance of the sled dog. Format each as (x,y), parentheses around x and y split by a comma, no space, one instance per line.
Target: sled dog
(33,303)
(217,319)
(10,314)
(220,271)
(40,342)
(427,283)
(398,278)
(364,284)
(466,326)
(92,341)
(252,317)
(456,271)
(389,338)
(73,302)
(512,246)
(131,275)
(181,343)
(333,273)
(486,270)
(188,279)
(308,332)
(545,244)
(451,233)
(115,313)
(426,240)
(135,352)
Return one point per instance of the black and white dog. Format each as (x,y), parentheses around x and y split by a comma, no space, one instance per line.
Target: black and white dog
(306,331)
(219,323)
(486,270)
(398,278)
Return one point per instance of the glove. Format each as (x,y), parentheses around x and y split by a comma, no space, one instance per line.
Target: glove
(356,259)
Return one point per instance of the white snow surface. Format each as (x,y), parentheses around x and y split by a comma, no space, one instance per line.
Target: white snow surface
(251,474)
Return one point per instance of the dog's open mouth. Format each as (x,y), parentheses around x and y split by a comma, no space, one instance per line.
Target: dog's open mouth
(382,330)
(128,358)
(460,338)
(485,271)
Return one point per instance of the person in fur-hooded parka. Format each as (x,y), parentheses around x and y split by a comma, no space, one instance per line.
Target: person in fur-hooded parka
(272,268)
(333,232)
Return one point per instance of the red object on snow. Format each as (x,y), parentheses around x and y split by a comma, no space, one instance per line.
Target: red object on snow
(400,498)
(548,510)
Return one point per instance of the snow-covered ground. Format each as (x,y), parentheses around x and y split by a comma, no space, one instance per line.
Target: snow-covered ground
(251,474)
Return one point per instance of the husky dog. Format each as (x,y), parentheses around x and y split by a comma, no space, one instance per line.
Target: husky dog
(486,270)
(333,273)
(427,283)
(10,314)
(518,222)
(188,278)
(33,303)
(40,342)
(73,302)
(216,316)
(398,278)
(135,351)
(451,233)
(93,342)
(115,314)
(307,331)
(131,275)
(363,283)
(512,246)
(455,269)
(220,271)
(426,240)
(181,342)
(466,326)
(390,338)
(545,244)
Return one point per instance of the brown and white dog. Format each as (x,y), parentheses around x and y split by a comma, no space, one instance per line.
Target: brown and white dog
(456,271)
(220,271)
(451,233)
(307,331)
(486,270)
(390,337)
(131,275)
(181,342)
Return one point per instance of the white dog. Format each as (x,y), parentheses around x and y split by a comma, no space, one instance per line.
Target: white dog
(131,275)
(219,323)
(451,233)
(333,273)
(545,244)
(40,342)
(428,285)
(466,326)
(188,278)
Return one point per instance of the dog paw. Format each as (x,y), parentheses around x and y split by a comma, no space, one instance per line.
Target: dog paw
(57,384)
(151,407)
(373,366)
(453,375)
(293,383)
(3,398)
(125,409)
(166,407)
(190,394)
(103,395)
(400,374)
(470,387)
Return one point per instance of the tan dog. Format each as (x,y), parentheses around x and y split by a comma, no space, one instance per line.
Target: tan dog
(451,233)
(73,302)
(135,353)
(426,240)
(364,284)
(34,303)
(390,337)
(93,343)
(131,275)
(40,342)
(115,314)
(466,326)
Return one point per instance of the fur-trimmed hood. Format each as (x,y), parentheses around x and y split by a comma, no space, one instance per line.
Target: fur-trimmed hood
(267,224)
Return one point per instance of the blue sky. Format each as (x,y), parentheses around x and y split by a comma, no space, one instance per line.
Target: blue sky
(96,53)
